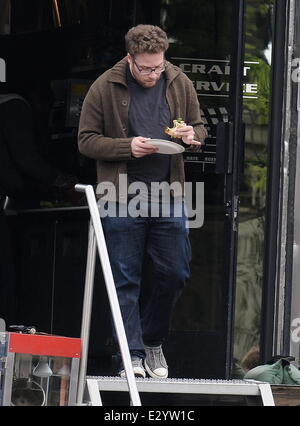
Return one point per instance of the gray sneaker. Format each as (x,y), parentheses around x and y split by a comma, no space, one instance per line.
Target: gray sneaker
(155,362)
(138,369)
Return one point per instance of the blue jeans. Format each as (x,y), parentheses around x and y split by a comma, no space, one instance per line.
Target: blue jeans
(165,240)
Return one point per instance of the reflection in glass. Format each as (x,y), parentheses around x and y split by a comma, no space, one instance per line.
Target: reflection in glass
(253,188)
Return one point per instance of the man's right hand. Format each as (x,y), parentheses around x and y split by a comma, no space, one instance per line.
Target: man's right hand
(139,148)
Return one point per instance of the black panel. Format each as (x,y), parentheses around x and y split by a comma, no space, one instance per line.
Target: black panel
(69,273)
(35,272)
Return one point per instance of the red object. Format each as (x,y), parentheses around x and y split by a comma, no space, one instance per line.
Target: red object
(37,344)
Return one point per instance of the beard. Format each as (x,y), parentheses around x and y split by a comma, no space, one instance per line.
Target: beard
(148,84)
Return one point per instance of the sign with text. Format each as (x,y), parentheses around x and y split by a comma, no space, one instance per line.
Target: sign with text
(211,79)
(211,76)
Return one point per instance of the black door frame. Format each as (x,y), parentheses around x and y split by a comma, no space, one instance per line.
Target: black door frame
(232,180)
(274,182)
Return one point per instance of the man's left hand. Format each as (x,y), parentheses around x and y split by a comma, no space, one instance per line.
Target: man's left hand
(187,134)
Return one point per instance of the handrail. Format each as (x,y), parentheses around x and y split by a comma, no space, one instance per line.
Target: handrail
(96,236)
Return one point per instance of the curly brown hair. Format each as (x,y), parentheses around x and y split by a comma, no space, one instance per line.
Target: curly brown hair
(146,39)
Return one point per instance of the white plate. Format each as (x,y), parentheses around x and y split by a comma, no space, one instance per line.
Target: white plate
(166,147)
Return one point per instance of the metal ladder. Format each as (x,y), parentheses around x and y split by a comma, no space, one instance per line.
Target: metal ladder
(96,238)
(93,385)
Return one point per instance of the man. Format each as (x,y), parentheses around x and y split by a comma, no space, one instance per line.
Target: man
(125,107)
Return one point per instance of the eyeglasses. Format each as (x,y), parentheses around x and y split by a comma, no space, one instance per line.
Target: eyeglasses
(148,70)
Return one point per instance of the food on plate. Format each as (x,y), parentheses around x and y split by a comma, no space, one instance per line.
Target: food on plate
(171,131)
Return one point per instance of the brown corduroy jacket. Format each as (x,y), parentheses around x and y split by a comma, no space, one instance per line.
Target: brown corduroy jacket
(103,127)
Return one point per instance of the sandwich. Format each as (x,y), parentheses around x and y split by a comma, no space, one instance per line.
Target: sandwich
(171,131)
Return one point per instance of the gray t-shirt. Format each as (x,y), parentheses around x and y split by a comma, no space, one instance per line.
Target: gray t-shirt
(149,114)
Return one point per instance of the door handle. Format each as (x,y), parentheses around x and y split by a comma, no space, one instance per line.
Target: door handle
(231,211)
(224,147)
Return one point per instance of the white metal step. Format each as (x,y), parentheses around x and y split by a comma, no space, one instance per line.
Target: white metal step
(181,386)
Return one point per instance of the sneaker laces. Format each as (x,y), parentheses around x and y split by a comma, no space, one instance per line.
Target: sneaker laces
(137,366)
(137,362)
(155,357)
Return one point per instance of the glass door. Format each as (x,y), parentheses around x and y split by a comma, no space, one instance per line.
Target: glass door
(206,42)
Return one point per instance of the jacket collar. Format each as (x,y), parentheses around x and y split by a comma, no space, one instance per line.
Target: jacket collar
(118,72)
